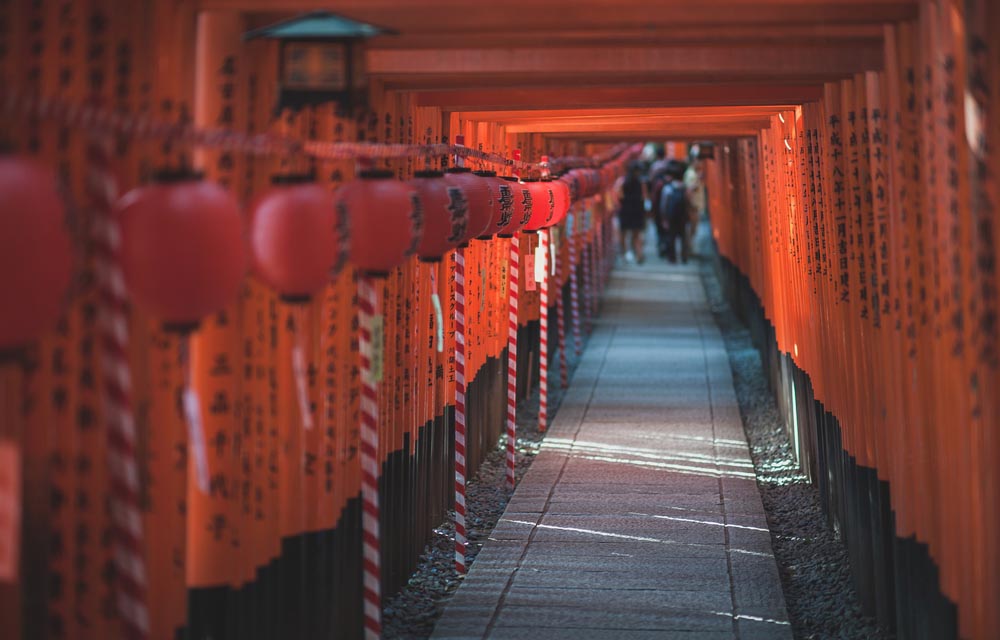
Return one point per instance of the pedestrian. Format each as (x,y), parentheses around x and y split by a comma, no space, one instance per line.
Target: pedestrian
(675,217)
(657,180)
(694,186)
(660,164)
(632,211)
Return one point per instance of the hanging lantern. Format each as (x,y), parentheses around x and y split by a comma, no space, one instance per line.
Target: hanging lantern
(36,256)
(560,189)
(542,205)
(573,180)
(587,176)
(298,238)
(595,182)
(385,218)
(497,209)
(183,248)
(480,199)
(582,182)
(520,212)
(321,59)
(704,150)
(446,214)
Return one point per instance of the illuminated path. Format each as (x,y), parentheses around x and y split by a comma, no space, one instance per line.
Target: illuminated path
(640,518)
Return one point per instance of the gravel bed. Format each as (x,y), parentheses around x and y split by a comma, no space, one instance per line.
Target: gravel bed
(815,572)
(812,561)
(413,612)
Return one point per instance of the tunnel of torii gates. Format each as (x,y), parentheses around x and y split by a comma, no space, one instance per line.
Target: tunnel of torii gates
(224,473)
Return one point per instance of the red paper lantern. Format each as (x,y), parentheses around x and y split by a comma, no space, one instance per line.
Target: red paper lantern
(518,212)
(575,182)
(480,199)
(298,237)
(496,213)
(385,218)
(593,182)
(560,188)
(446,214)
(36,256)
(582,184)
(542,205)
(183,248)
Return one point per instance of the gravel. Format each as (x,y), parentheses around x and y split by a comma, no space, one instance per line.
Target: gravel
(413,612)
(819,594)
(812,561)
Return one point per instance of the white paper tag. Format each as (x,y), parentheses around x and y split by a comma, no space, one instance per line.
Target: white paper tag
(438,321)
(196,438)
(302,385)
(539,263)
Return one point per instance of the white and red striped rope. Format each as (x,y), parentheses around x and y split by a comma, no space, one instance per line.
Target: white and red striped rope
(588,290)
(92,118)
(460,533)
(126,510)
(596,269)
(609,251)
(543,340)
(561,322)
(595,291)
(574,286)
(595,260)
(599,258)
(372,573)
(513,278)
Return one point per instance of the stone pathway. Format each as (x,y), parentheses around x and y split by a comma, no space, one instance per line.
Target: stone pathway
(641,517)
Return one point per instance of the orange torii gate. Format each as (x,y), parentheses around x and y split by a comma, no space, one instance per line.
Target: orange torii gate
(853,190)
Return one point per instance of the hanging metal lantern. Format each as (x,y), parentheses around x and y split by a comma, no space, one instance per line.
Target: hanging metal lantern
(706,151)
(321,59)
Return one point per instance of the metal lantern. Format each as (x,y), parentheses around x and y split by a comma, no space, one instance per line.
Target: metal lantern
(321,59)
(706,150)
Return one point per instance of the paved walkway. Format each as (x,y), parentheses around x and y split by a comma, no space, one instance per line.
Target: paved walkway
(640,518)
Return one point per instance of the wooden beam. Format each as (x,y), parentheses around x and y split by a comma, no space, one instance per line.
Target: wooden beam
(657,134)
(672,61)
(639,139)
(557,115)
(665,131)
(530,15)
(449,82)
(559,95)
(842,34)
(740,123)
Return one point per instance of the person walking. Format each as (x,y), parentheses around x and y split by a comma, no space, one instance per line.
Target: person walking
(675,217)
(694,186)
(632,212)
(657,180)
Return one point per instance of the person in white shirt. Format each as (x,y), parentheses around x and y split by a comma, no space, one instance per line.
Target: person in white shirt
(695,189)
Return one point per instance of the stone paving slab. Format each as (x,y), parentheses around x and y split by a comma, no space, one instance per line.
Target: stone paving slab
(640,517)
(520,633)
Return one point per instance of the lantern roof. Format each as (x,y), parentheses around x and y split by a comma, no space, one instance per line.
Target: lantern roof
(317,25)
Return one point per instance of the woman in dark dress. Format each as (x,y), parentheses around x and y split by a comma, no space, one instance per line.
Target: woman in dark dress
(632,211)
